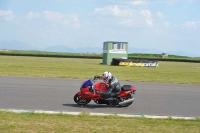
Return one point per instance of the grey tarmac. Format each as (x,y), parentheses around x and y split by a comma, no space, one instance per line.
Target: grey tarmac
(160,99)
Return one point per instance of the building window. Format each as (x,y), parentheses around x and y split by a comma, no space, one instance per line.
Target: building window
(123,46)
(104,47)
(118,46)
(114,46)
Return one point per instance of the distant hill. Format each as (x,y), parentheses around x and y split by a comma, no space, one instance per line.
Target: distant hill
(15,45)
(59,48)
(62,48)
(154,51)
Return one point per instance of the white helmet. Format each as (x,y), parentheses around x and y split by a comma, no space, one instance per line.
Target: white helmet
(106,76)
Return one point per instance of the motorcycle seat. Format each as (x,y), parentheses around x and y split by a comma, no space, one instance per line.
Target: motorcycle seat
(126,87)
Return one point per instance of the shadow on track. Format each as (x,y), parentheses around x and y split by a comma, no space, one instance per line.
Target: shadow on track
(93,106)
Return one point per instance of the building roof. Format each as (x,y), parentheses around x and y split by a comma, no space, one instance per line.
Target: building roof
(115,42)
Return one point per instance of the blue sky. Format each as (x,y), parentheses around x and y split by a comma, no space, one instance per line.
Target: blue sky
(165,25)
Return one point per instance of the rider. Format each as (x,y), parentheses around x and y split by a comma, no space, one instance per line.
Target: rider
(114,85)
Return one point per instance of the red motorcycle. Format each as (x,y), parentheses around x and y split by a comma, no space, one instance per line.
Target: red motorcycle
(90,91)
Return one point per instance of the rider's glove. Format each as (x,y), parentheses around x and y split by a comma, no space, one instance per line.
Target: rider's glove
(96,77)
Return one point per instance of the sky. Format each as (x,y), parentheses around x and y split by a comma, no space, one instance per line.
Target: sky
(165,25)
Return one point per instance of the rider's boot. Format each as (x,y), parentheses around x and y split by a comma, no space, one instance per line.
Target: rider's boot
(108,97)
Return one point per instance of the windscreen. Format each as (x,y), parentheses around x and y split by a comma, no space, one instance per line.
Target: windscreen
(87,83)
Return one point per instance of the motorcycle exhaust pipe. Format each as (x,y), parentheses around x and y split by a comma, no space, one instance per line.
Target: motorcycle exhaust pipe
(127,101)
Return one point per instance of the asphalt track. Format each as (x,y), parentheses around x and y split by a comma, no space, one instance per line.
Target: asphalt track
(57,95)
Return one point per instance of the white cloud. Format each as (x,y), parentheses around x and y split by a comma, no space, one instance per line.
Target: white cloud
(114,11)
(7,15)
(125,16)
(148,17)
(67,20)
(127,22)
(149,23)
(192,1)
(147,2)
(139,2)
(32,15)
(159,15)
(169,2)
(75,19)
(167,24)
(54,16)
(190,25)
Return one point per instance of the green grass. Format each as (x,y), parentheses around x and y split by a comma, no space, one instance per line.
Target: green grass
(62,54)
(38,123)
(159,56)
(34,52)
(167,72)
(141,55)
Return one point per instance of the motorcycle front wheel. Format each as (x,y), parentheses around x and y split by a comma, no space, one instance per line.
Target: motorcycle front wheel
(80,101)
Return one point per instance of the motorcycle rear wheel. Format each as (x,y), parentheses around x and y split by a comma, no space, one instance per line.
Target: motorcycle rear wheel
(129,96)
(80,101)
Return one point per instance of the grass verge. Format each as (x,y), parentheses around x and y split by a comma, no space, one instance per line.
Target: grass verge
(37,123)
(167,72)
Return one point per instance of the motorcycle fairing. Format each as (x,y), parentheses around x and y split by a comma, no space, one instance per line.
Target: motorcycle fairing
(101,86)
(125,92)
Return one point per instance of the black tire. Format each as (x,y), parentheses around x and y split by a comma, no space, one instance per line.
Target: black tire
(129,96)
(78,100)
